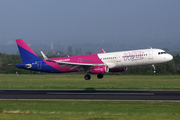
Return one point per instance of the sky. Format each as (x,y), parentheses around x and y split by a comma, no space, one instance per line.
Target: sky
(69,22)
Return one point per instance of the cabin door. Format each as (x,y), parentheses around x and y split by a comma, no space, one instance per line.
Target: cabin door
(80,60)
(150,54)
(118,57)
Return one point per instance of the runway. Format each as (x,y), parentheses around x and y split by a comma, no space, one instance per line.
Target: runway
(90,95)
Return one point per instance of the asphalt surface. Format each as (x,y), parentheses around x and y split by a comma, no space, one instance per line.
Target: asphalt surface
(91,95)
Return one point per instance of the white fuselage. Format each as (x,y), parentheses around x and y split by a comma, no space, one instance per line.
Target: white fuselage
(135,58)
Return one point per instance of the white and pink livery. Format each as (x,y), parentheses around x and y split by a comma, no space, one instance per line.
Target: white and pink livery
(95,63)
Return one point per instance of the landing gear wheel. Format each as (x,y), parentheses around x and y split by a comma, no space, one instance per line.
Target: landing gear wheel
(100,76)
(87,77)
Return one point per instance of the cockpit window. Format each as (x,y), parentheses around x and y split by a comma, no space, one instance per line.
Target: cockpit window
(159,53)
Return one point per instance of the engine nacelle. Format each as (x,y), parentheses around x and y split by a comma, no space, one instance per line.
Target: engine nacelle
(100,69)
(118,69)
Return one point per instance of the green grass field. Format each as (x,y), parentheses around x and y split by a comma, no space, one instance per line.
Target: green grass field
(90,110)
(76,81)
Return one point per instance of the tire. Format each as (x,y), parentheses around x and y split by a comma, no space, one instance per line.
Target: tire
(87,77)
(100,76)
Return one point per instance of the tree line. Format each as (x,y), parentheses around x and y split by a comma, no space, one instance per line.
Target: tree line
(172,67)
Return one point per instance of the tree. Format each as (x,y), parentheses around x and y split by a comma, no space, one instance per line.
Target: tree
(89,53)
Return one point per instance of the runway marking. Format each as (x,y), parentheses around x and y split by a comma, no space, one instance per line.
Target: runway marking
(52,93)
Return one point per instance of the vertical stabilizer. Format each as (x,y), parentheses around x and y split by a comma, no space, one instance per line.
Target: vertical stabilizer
(27,54)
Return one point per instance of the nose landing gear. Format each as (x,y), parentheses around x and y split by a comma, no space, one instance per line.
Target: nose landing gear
(154,68)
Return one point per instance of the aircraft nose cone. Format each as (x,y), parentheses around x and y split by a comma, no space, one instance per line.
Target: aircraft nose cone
(170,57)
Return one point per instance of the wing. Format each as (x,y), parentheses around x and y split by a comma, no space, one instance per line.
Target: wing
(80,66)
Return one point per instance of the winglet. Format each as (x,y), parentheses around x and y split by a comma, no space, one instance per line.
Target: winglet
(103,51)
(44,56)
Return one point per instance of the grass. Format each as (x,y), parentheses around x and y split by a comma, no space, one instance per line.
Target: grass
(76,81)
(90,110)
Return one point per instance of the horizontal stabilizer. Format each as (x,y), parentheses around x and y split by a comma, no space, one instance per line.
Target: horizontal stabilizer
(22,65)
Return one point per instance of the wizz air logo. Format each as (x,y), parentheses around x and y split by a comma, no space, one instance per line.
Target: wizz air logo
(135,55)
(62,60)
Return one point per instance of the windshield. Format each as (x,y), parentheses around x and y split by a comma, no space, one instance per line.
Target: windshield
(159,53)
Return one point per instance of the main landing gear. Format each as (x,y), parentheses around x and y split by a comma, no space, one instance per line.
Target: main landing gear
(88,77)
(99,76)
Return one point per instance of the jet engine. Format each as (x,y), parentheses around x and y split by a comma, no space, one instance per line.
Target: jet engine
(100,69)
(118,69)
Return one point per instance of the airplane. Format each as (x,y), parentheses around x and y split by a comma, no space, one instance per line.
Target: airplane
(95,63)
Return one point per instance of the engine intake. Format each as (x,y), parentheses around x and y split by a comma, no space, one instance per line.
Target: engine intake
(100,69)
